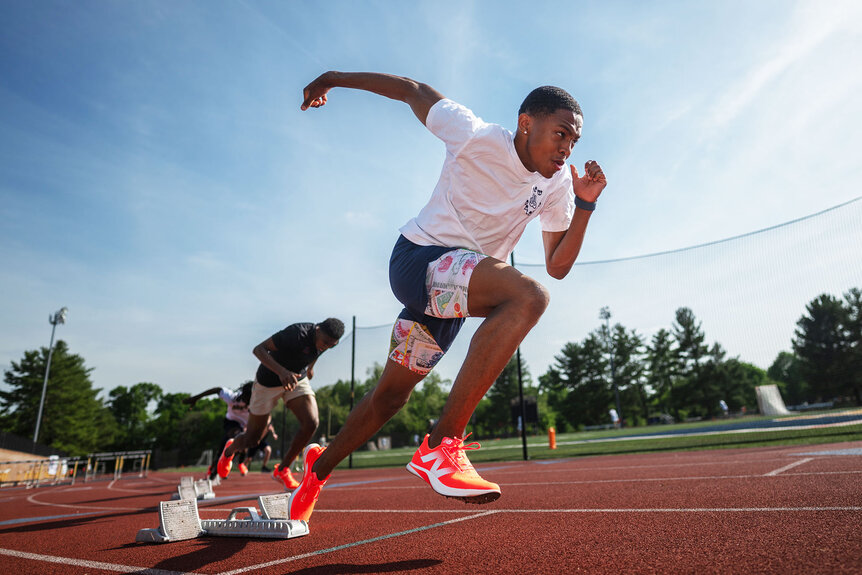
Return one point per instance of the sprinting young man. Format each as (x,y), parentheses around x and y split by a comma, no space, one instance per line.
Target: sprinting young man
(287,360)
(450,263)
(235,418)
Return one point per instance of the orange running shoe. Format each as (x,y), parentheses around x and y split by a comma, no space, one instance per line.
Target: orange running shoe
(285,477)
(448,471)
(243,469)
(225,463)
(302,500)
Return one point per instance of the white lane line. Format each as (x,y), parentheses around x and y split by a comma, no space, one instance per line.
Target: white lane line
(580,469)
(686,510)
(32,499)
(786,467)
(88,564)
(632,480)
(622,510)
(355,544)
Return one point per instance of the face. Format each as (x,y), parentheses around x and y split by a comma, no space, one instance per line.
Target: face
(323,341)
(550,140)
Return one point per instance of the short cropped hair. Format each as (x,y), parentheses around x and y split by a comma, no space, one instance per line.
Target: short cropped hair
(546,100)
(332,327)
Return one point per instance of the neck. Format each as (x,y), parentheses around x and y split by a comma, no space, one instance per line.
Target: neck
(521,150)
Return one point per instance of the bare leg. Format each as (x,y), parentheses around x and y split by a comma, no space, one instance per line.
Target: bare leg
(376,408)
(254,432)
(305,409)
(267,452)
(512,304)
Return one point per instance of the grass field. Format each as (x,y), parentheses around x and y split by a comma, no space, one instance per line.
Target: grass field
(689,436)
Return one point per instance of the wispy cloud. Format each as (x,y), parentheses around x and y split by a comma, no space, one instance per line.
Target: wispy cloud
(810,27)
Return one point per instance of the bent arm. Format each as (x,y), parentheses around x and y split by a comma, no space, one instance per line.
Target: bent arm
(562,248)
(420,97)
(262,352)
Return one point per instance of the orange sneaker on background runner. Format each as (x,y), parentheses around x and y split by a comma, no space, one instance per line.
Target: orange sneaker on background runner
(448,471)
(285,477)
(243,469)
(302,500)
(225,463)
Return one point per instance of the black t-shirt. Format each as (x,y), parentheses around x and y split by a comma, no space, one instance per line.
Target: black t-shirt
(294,349)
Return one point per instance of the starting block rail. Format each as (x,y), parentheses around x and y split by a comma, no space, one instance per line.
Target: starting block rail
(179,520)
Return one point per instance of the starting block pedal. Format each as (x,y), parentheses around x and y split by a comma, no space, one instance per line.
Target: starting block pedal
(179,520)
(191,489)
(204,489)
(274,506)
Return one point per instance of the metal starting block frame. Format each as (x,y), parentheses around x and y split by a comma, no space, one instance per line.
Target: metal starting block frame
(179,520)
(191,489)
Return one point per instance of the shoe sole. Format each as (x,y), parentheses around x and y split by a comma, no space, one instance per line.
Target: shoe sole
(478,499)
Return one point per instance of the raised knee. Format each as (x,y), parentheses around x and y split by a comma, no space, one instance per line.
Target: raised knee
(309,426)
(535,299)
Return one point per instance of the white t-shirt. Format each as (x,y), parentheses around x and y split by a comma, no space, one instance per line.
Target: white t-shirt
(485,197)
(236,410)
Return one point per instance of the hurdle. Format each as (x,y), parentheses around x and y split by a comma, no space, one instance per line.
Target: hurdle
(179,520)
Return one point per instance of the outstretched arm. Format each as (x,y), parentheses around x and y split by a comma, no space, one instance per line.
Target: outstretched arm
(191,401)
(562,248)
(420,97)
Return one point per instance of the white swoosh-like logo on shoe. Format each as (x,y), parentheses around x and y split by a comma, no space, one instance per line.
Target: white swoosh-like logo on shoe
(436,469)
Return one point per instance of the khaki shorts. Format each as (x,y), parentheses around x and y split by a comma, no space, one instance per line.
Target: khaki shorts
(264,399)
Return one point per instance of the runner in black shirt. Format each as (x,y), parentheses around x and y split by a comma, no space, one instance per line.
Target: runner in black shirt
(287,361)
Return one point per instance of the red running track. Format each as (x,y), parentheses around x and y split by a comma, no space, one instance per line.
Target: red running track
(761,510)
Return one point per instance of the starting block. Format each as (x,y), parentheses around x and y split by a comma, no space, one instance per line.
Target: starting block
(191,489)
(179,520)
(274,506)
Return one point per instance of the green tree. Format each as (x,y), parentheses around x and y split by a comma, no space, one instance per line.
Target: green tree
(628,374)
(661,369)
(690,338)
(739,383)
(581,370)
(821,344)
(853,330)
(333,404)
(132,407)
(787,372)
(496,414)
(74,420)
(188,431)
(426,402)
(691,353)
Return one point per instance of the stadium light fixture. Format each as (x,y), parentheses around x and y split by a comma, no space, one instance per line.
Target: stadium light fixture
(57,317)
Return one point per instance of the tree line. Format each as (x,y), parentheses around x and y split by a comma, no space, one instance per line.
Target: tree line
(675,373)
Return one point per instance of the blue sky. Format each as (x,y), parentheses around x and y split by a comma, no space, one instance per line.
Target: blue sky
(158,178)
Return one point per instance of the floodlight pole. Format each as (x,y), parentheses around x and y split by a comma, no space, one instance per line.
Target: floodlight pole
(352,380)
(605,314)
(521,393)
(58,317)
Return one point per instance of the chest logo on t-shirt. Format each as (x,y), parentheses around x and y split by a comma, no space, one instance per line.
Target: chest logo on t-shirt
(533,203)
